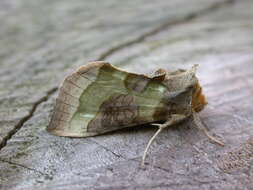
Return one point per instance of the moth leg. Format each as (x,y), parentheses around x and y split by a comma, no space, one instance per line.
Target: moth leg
(175,118)
(202,127)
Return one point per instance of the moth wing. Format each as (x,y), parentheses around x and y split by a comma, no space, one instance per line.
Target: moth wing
(99,98)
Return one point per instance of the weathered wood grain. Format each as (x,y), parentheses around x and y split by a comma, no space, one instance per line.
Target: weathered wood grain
(42,41)
(220,41)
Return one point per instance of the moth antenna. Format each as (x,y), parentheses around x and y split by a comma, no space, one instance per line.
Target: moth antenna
(149,144)
(202,127)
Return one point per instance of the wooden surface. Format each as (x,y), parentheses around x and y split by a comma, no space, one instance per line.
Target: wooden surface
(42,41)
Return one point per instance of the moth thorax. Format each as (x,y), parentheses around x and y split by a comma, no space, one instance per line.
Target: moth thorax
(179,102)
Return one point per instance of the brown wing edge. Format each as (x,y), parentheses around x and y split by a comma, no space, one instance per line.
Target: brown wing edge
(69,134)
(56,126)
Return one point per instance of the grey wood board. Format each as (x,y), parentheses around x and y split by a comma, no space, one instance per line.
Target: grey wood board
(42,41)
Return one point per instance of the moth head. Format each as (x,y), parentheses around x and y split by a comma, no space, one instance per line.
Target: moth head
(182,81)
(198,98)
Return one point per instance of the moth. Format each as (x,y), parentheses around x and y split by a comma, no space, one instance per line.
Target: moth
(100,98)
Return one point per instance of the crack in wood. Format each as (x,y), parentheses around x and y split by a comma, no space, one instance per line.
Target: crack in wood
(26,118)
(164,26)
(28,168)
(107,149)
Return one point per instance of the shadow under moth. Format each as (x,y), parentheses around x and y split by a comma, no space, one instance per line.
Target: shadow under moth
(99,98)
